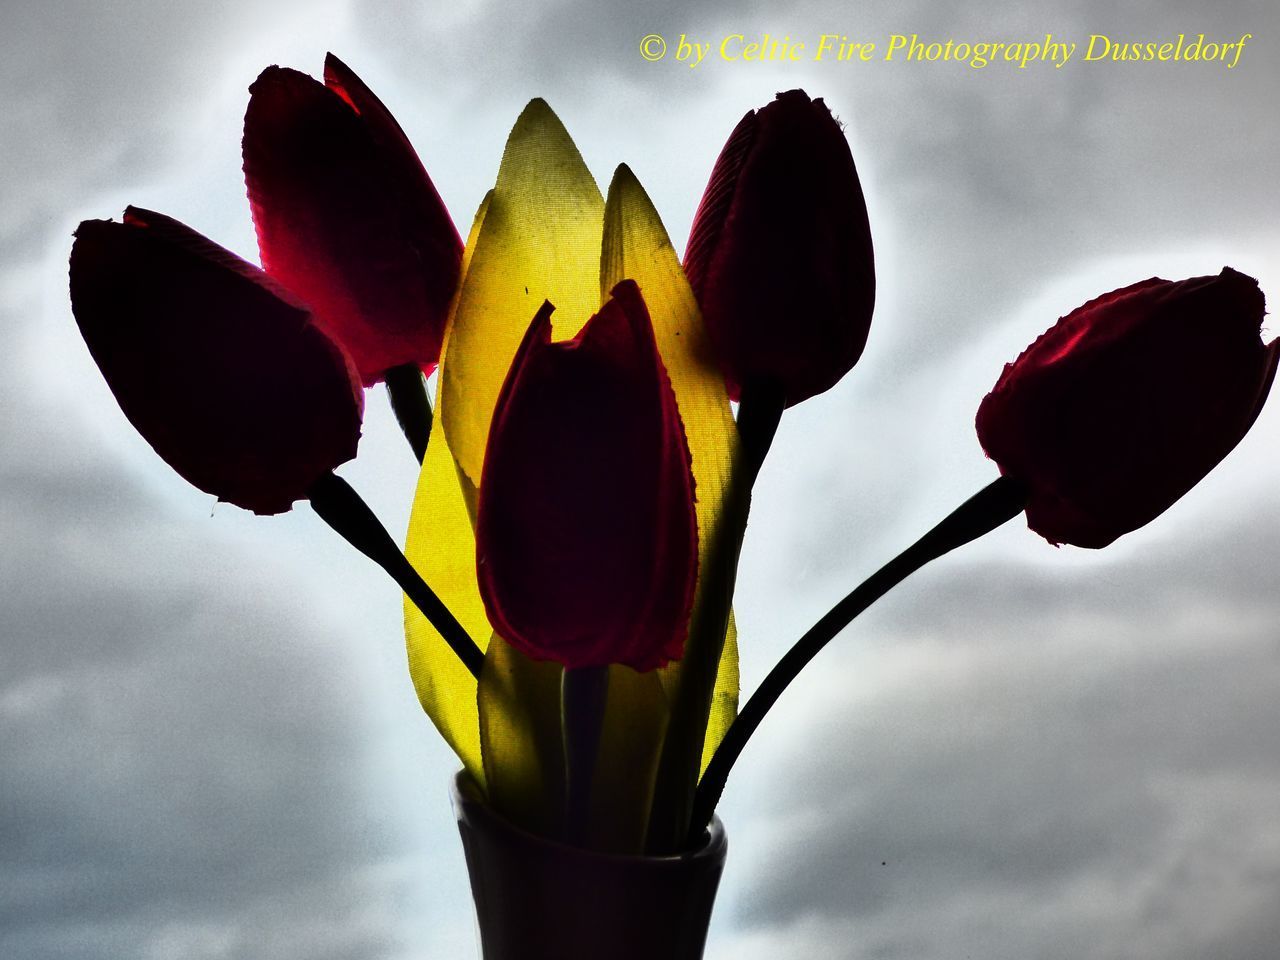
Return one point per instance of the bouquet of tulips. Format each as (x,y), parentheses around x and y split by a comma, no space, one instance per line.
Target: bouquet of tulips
(585,484)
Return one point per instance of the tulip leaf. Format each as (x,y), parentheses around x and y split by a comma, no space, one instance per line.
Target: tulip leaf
(520,738)
(724,697)
(473,235)
(627,766)
(441,545)
(636,246)
(540,240)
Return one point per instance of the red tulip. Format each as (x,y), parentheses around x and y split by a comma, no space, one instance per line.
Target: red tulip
(1128,401)
(347,217)
(222,371)
(586,537)
(780,256)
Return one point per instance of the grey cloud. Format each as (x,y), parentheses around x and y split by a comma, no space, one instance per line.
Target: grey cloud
(554,44)
(185,761)
(1052,761)
(184,747)
(1225,571)
(1042,740)
(100,95)
(167,752)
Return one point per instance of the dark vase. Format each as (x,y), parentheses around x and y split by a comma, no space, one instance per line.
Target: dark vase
(541,900)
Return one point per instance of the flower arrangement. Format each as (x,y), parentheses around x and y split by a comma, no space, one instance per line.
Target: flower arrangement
(585,485)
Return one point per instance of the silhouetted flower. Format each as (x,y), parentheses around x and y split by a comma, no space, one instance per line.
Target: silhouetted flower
(220,369)
(780,252)
(1128,401)
(347,217)
(586,539)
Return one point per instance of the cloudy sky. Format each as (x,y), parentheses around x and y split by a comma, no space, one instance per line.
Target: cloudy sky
(209,746)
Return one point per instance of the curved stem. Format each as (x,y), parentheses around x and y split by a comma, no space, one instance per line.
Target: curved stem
(1000,501)
(344,510)
(407,390)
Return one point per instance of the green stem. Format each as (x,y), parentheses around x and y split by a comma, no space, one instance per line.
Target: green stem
(583,694)
(344,510)
(997,503)
(681,759)
(407,390)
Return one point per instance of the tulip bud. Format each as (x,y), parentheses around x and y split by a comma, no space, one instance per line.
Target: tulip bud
(586,536)
(218,368)
(1128,401)
(780,256)
(347,217)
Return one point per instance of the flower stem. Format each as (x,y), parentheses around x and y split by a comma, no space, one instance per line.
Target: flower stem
(343,509)
(758,415)
(998,502)
(407,390)
(583,694)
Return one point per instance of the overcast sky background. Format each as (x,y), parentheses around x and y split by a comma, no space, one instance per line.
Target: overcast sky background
(209,745)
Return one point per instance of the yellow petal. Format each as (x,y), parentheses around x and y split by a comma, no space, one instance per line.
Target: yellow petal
(540,240)
(636,246)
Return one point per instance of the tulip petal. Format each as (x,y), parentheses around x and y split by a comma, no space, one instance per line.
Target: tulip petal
(586,533)
(540,241)
(218,368)
(428,227)
(347,218)
(717,200)
(636,246)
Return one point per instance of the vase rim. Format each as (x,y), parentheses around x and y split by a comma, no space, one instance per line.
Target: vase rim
(466,793)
